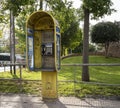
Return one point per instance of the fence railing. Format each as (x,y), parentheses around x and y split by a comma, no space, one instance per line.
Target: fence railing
(76,86)
(66,87)
(93,64)
(17,84)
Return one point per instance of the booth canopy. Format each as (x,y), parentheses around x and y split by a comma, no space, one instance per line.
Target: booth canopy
(40,17)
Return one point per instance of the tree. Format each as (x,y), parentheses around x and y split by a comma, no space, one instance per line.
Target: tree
(41,4)
(85,70)
(15,7)
(71,34)
(4,19)
(105,33)
(97,8)
(79,48)
(20,34)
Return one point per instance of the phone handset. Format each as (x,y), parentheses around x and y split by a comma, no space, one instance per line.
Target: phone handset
(43,46)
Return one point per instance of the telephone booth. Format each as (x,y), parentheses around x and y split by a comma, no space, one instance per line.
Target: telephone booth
(43,50)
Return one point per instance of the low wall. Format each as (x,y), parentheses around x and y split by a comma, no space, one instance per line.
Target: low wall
(114,50)
(78,54)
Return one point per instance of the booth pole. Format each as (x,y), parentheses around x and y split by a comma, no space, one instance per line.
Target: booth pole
(49,85)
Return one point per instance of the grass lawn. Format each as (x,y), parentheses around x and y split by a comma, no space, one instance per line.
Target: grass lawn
(106,74)
(26,75)
(102,74)
(28,87)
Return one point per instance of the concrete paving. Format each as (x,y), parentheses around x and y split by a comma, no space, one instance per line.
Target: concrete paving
(30,101)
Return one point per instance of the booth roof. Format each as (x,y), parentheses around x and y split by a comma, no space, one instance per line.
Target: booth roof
(34,17)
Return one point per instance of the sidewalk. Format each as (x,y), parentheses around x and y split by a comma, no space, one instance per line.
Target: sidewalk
(29,101)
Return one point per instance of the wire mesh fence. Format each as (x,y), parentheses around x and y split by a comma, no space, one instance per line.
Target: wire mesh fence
(102,83)
(82,89)
(18,82)
(104,80)
(23,87)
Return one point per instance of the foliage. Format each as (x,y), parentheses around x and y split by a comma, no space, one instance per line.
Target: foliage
(1,32)
(4,21)
(21,28)
(78,49)
(1,12)
(21,25)
(72,36)
(20,33)
(105,32)
(92,48)
(16,5)
(5,49)
(98,8)
(69,23)
(3,17)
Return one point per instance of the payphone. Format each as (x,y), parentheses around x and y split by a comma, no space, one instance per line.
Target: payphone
(43,49)
(47,49)
(43,42)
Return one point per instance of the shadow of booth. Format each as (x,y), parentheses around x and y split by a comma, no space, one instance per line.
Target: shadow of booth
(54,103)
(37,102)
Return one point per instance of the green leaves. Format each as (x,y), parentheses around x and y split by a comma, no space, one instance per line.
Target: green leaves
(105,32)
(1,33)
(98,8)
(69,22)
(16,5)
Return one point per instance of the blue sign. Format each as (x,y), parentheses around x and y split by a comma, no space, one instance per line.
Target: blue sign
(30,52)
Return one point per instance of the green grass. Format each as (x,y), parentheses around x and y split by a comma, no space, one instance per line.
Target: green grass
(102,74)
(105,74)
(26,75)
(28,87)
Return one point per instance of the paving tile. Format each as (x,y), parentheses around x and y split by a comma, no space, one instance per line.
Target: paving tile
(29,101)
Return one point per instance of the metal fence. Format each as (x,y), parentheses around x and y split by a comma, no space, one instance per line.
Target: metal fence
(11,82)
(94,88)
(67,86)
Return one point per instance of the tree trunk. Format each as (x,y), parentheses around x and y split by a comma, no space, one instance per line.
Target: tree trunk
(85,69)
(106,49)
(12,41)
(41,4)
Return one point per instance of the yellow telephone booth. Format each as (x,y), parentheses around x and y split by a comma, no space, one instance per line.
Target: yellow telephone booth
(43,50)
